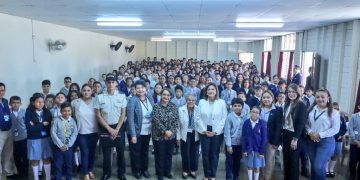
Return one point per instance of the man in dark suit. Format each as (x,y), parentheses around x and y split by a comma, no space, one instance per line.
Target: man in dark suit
(297,75)
(310,79)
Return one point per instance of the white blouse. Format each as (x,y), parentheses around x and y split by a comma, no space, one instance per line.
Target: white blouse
(85,116)
(320,122)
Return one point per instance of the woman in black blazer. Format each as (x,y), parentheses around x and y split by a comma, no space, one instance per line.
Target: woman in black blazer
(293,129)
(273,115)
(246,88)
(238,82)
(222,85)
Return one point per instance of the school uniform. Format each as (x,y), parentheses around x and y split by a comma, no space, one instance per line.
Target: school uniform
(63,133)
(228,95)
(249,93)
(254,141)
(189,138)
(232,137)
(254,101)
(212,118)
(39,145)
(245,112)
(339,136)
(20,142)
(6,139)
(273,117)
(274,88)
(320,152)
(65,91)
(139,126)
(237,87)
(222,87)
(354,135)
(296,79)
(178,101)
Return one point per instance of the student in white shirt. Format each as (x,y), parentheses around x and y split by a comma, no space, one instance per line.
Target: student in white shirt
(323,123)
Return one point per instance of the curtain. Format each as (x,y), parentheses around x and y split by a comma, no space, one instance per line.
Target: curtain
(262,63)
(280,64)
(357,102)
(268,64)
(290,69)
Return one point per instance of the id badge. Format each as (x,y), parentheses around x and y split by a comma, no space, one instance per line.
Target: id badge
(43,133)
(6,118)
(16,133)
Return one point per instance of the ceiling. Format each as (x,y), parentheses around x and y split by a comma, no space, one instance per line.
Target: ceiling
(160,16)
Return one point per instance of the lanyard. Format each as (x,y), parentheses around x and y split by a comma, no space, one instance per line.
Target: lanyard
(191,115)
(317,117)
(146,106)
(65,124)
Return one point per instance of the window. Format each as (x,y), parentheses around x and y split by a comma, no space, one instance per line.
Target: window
(288,42)
(268,44)
(246,57)
(285,65)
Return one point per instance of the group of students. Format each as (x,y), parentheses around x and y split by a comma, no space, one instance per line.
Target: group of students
(182,103)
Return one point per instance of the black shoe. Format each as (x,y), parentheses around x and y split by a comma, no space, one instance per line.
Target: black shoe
(160,178)
(185,176)
(105,177)
(327,174)
(123,177)
(14,176)
(332,174)
(193,175)
(137,175)
(305,174)
(146,174)
(169,176)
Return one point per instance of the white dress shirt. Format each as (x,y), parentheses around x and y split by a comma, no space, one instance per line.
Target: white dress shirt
(320,122)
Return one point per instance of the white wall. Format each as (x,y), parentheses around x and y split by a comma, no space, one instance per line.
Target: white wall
(199,49)
(340,45)
(87,55)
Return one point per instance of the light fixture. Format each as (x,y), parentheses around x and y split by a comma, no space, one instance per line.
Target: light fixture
(160,39)
(224,40)
(189,33)
(133,24)
(259,25)
(118,19)
(189,37)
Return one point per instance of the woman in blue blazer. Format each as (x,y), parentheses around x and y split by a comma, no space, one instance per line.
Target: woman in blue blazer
(138,111)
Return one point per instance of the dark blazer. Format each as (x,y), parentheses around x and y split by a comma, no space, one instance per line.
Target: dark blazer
(221,88)
(253,101)
(299,114)
(343,128)
(274,88)
(237,87)
(134,115)
(309,82)
(249,94)
(38,130)
(297,79)
(274,126)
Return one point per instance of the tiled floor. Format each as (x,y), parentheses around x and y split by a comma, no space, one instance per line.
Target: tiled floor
(278,174)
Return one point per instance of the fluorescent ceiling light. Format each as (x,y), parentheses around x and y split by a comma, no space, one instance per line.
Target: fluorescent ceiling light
(189,33)
(116,19)
(190,37)
(224,40)
(160,39)
(260,20)
(119,24)
(259,25)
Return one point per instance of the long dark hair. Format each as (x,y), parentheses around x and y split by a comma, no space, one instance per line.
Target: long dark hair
(329,104)
(32,100)
(295,87)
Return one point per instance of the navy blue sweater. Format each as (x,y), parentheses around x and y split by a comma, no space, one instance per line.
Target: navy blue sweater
(254,139)
(37,130)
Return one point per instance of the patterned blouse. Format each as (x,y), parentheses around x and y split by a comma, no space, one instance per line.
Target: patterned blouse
(164,118)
